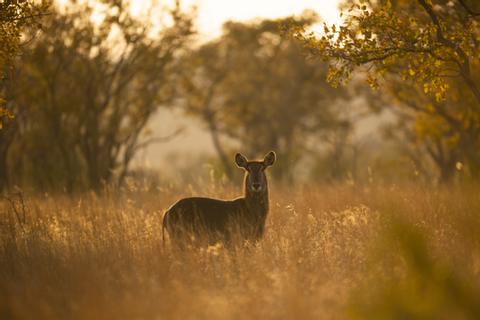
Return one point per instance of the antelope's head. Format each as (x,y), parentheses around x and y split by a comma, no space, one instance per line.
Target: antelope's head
(255,178)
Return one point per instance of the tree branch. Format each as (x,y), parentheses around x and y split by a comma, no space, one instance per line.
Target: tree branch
(150,141)
(465,65)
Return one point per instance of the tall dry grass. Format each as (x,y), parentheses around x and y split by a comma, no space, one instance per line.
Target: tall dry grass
(328,253)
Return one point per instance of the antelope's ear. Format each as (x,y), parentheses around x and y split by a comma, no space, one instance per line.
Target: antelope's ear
(241,161)
(269,159)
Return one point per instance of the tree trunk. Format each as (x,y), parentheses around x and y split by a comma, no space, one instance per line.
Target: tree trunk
(3,172)
(219,148)
(447,172)
(7,134)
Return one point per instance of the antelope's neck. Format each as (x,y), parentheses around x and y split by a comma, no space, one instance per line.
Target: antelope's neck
(257,202)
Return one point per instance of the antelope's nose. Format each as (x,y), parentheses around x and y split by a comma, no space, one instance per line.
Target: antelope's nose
(256,186)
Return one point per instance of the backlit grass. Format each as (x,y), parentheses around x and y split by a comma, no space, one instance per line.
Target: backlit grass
(328,253)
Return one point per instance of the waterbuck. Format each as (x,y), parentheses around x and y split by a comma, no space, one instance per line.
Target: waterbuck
(220,220)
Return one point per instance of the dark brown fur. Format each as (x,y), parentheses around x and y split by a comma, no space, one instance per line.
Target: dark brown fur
(220,220)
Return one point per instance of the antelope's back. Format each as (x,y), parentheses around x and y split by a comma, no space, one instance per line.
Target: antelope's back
(197,214)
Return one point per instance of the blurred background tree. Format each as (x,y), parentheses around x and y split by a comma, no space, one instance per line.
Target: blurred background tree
(87,90)
(253,87)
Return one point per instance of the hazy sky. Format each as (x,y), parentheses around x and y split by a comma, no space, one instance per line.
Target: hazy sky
(212,13)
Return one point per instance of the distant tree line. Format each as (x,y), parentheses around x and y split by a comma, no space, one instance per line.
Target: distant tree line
(84,90)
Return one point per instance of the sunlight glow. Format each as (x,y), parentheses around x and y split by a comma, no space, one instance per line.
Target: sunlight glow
(213,13)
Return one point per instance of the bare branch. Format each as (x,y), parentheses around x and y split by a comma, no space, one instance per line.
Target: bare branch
(153,140)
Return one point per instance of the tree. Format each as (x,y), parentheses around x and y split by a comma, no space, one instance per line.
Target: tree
(448,131)
(90,89)
(254,87)
(426,54)
(14,17)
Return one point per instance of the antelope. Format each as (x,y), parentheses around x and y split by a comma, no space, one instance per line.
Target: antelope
(219,220)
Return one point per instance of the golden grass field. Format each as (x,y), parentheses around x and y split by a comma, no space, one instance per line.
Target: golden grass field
(329,252)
